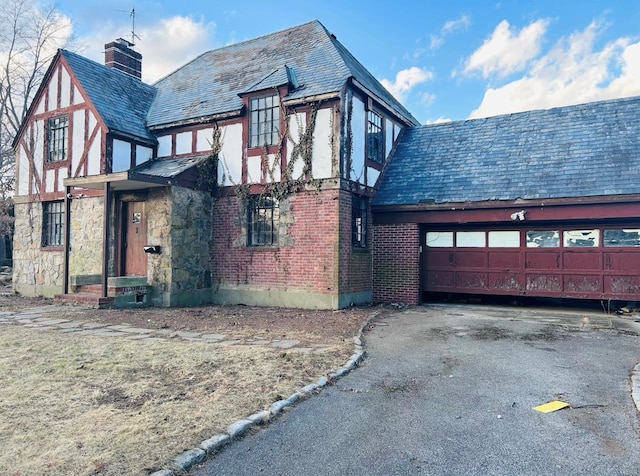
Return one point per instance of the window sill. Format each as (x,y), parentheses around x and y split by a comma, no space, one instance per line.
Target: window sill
(52,248)
(360,249)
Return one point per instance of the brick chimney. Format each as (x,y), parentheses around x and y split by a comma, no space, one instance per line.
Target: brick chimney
(119,55)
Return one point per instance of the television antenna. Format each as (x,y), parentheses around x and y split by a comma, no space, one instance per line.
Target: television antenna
(132,15)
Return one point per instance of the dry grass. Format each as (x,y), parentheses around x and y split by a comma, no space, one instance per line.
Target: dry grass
(83,405)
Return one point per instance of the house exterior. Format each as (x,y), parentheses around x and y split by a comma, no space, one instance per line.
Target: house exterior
(245,176)
(541,203)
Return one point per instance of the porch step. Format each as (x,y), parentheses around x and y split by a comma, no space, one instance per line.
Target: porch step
(94,300)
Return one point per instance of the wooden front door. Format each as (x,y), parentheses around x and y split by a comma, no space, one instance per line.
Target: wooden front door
(135,237)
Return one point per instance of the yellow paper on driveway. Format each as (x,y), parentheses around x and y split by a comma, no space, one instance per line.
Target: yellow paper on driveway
(551,406)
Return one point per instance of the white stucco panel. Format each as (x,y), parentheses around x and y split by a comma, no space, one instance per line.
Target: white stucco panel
(65,88)
(93,162)
(322,154)
(22,171)
(77,96)
(274,172)
(38,141)
(164,146)
(359,134)
(388,140)
(40,107)
(49,182)
(254,169)
(77,139)
(183,143)
(62,174)
(203,139)
(53,91)
(121,158)
(230,163)
(92,121)
(297,124)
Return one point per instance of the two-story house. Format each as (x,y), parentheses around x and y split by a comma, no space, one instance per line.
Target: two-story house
(245,176)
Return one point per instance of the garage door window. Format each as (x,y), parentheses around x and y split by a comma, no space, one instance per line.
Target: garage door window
(470,239)
(629,237)
(581,238)
(504,239)
(543,239)
(439,239)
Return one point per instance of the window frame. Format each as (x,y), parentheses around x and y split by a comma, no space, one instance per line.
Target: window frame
(359,221)
(57,139)
(53,215)
(263,221)
(375,137)
(270,136)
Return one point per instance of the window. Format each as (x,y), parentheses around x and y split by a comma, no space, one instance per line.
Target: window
(52,223)
(57,132)
(439,239)
(375,137)
(471,239)
(359,221)
(264,121)
(543,239)
(629,237)
(263,221)
(581,238)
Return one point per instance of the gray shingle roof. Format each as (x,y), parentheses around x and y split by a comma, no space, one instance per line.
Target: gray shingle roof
(121,100)
(210,84)
(585,150)
(168,168)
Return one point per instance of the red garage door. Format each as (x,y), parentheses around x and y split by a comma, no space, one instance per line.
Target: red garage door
(587,263)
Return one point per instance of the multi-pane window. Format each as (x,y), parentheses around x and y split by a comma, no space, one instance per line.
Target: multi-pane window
(52,223)
(264,121)
(57,133)
(375,137)
(263,221)
(359,221)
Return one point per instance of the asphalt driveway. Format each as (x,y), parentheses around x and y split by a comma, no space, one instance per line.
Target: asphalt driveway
(449,389)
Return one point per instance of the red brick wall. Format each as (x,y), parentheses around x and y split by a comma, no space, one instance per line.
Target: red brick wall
(396,263)
(307,262)
(355,263)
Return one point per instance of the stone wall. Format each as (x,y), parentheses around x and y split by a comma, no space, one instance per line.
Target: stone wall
(36,271)
(85,252)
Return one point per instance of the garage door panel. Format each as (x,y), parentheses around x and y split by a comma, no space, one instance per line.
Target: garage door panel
(471,259)
(581,261)
(471,280)
(504,259)
(507,282)
(544,282)
(439,258)
(444,280)
(622,285)
(622,261)
(543,260)
(580,283)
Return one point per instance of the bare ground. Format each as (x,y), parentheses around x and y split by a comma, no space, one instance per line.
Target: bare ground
(85,405)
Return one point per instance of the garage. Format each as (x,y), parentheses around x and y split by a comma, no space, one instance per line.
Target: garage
(567,262)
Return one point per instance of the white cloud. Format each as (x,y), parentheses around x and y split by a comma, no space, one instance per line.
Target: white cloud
(405,81)
(572,72)
(165,45)
(440,120)
(449,27)
(507,51)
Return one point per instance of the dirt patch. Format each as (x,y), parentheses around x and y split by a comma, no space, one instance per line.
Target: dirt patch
(490,332)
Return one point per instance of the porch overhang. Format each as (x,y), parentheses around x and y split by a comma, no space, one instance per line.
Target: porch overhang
(120,181)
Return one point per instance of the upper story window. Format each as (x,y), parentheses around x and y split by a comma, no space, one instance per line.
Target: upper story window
(57,134)
(375,137)
(263,221)
(52,223)
(264,121)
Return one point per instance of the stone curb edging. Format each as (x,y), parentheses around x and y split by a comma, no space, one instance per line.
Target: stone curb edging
(635,386)
(189,458)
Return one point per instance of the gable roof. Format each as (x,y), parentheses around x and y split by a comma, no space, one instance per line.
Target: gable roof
(121,100)
(209,85)
(575,151)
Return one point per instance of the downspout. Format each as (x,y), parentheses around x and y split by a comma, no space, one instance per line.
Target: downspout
(67,239)
(105,238)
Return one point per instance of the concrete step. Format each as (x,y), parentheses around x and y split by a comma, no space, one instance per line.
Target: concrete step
(94,300)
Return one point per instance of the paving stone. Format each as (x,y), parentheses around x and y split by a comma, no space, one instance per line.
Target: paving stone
(93,325)
(162,332)
(138,336)
(52,322)
(230,342)
(71,325)
(25,321)
(285,344)
(186,335)
(214,337)
(106,333)
(258,342)
(43,328)
(135,330)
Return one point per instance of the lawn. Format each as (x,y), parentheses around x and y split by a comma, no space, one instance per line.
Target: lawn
(84,405)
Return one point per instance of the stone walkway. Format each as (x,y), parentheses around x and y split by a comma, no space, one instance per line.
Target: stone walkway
(36,318)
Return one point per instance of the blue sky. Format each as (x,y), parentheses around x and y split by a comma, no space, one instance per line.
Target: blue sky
(445,60)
